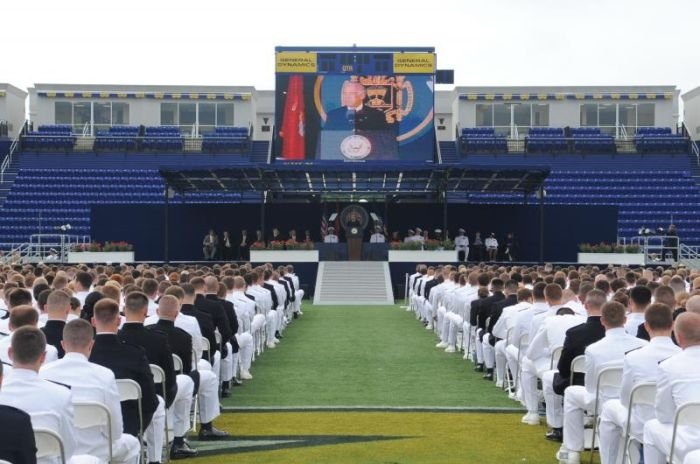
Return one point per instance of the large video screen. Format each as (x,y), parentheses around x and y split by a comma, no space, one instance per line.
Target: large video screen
(354,117)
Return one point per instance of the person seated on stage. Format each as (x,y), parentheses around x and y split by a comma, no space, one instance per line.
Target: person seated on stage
(307,236)
(330,236)
(462,245)
(410,236)
(419,237)
(276,235)
(395,237)
(491,247)
(91,382)
(209,245)
(292,236)
(377,236)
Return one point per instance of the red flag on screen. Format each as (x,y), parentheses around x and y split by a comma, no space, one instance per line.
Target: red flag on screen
(292,131)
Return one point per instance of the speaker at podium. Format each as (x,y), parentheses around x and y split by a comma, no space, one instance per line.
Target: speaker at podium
(354,220)
(357,145)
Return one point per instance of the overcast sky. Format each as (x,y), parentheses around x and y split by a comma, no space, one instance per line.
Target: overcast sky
(206,42)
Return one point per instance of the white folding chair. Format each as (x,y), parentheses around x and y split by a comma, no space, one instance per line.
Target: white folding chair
(49,444)
(130,390)
(89,414)
(554,357)
(643,394)
(509,379)
(206,347)
(578,366)
(688,415)
(524,340)
(159,378)
(177,364)
(2,461)
(608,377)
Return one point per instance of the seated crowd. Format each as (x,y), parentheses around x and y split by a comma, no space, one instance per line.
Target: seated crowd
(74,340)
(610,353)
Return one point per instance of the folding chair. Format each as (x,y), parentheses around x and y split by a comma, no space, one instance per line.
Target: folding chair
(206,347)
(524,340)
(159,378)
(177,364)
(509,380)
(554,358)
(49,444)
(89,414)
(688,415)
(608,377)
(130,390)
(578,366)
(643,394)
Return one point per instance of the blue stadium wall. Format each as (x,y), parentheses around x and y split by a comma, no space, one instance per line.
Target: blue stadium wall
(144,225)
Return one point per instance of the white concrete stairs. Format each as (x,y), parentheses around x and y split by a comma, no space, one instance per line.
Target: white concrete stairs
(353,283)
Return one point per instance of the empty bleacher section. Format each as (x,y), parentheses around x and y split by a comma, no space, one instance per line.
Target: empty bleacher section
(482,140)
(591,140)
(546,140)
(117,138)
(226,140)
(650,190)
(660,140)
(50,138)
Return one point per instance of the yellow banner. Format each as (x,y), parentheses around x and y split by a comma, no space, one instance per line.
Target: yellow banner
(296,62)
(414,63)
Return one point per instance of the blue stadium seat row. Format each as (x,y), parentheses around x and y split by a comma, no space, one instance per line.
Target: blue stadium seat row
(483,144)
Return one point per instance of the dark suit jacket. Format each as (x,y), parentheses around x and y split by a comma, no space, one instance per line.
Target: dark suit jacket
(575,343)
(365,119)
(206,325)
(232,319)
(291,288)
(429,286)
(483,308)
(157,351)
(53,330)
(128,362)
(17,443)
(496,311)
(180,343)
(271,289)
(218,315)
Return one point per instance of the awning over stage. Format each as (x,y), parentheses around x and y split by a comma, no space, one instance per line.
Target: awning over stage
(370,179)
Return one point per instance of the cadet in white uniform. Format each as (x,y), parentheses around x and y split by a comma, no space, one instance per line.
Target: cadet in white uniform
(491,247)
(49,404)
(677,384)
(377,236)
(91,382)
(607,352)
(330,236)
(462,246)
(640,366)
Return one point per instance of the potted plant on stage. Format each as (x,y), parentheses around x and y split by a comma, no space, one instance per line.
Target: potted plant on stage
(610,253)
(95,252)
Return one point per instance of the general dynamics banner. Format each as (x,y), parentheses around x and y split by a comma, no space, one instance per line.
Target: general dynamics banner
(348,116)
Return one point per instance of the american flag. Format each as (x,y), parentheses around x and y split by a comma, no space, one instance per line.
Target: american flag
(324,226)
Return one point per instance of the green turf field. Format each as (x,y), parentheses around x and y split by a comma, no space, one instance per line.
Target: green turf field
(366,385)
(363,356)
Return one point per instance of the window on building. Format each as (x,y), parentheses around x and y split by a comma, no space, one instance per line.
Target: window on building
(81,115)
(627,115)
(120,113)
(589,114)
(606,114)
(645,114)
(207,117)
(484,115)
(102,115)
(224,114)
(63,112)
(521,114)
(540,115)
(168,114)
(501,115)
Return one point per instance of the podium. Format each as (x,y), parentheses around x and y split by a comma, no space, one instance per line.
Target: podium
(355,248)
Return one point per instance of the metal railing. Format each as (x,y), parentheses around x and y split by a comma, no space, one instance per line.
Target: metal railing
(14,146)
(43,248)
(657,248)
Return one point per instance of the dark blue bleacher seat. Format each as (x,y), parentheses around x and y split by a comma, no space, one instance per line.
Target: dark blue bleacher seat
(660,140)
(546,140)
(482,140)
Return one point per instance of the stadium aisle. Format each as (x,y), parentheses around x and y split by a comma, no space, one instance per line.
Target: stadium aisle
(306,401)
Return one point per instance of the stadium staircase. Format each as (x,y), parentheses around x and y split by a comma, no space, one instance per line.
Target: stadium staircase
(353,283)
(259,151)
(448,151)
